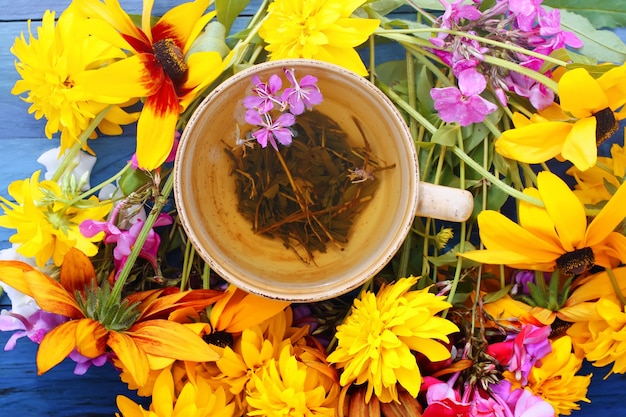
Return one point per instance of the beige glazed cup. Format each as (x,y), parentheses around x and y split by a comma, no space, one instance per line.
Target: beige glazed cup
(207,203)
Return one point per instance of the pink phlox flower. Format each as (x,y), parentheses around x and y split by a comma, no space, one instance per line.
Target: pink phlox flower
(35,326)
(303,95)
(531,344)
(453,14)
(463,104)
(521,402)
(83,363)
(526,12)
(271,130)
(550,27)
(538,94)
(265,94)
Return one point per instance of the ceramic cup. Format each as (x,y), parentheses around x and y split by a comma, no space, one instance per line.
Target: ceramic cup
(207,203)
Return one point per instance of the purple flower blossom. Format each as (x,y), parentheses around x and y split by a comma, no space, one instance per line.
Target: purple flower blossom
(530,345)
(271,130)
(35,326)
(521,402)
(303,95)
(463,104)
(83,363)
(125,239)
(521,279)
(265,94)
(526,12)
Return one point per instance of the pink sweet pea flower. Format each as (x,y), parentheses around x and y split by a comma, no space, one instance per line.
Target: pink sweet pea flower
(443,400)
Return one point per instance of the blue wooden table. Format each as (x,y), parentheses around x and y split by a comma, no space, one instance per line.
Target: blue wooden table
(59,393)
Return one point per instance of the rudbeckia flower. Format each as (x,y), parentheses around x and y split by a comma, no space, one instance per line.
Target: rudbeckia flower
(161,67)
(377,341)
(129,331)
(47,227)
(554,236)
(588,114)
(317,29)
(49,67)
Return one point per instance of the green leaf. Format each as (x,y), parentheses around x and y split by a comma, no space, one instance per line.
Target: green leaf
(213,38)
(228,10)
(601,14)
(447,135)
(495,296)
(602,45)
(450,257)
(132,179)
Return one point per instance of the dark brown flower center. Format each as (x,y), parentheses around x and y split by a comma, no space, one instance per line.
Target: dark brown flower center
(219,338)
(576,262)
(606,125)
(171,58)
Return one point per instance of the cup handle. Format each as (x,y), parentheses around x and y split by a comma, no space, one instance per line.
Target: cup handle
(444,203)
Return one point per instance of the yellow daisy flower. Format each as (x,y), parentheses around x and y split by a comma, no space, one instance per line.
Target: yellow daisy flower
(288,387)
(377,341)
(317,29)
(47,219)
(162,67)
(591,187)
(49,67)
(556,235)
(556,380)
(603,339)
(194,400)
(588,114)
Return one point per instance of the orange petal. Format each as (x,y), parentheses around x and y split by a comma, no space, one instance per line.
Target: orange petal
(77,271)
(171,340)
(56,345)
(12,274)
(51,296)
(130,356)
(162,307)
(252,311)
(91,338)
(156,127)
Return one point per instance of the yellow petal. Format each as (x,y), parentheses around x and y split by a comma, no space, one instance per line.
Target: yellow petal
(131,356)
(112,13)
(536,219)
(179,22)
(609,217)
(580,145)
(344,57)
(156,127)
(533,143)
(139,75)
(500,233)
(581,94)
(565,210)
(171,340)
(203,69)
(56,345)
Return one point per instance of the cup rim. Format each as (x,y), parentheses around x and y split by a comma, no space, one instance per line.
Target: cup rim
(316,293)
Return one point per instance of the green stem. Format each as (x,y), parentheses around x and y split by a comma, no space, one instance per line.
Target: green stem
(494,180)
(616,288)
(78,145)
(100,186)
(141,239)
(407,107)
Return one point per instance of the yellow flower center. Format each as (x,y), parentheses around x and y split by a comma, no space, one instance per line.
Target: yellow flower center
(606,125)
(171,58)
(576,262)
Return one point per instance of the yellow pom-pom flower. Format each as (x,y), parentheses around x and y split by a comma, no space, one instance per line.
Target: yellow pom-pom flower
(377,341)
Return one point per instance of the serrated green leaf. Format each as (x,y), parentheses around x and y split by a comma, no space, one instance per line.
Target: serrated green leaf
(601,14)
(228,10)
(447,135)
(603,45)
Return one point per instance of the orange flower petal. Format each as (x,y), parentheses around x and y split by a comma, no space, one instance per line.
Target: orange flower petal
(56,345)
(171,340)
(164,305)
(12,274)
(130,356)
(91,338)
(77,271)
(51,296)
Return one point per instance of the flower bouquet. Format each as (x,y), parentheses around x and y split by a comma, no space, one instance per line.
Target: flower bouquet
(511,100)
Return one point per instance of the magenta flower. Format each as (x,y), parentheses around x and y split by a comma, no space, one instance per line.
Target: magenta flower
(521,402)
(301,96)
(525,12)
(125,239)
(443,400)
(463,104)
(83,363)
(271,130)
(35,326)
(265,94)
